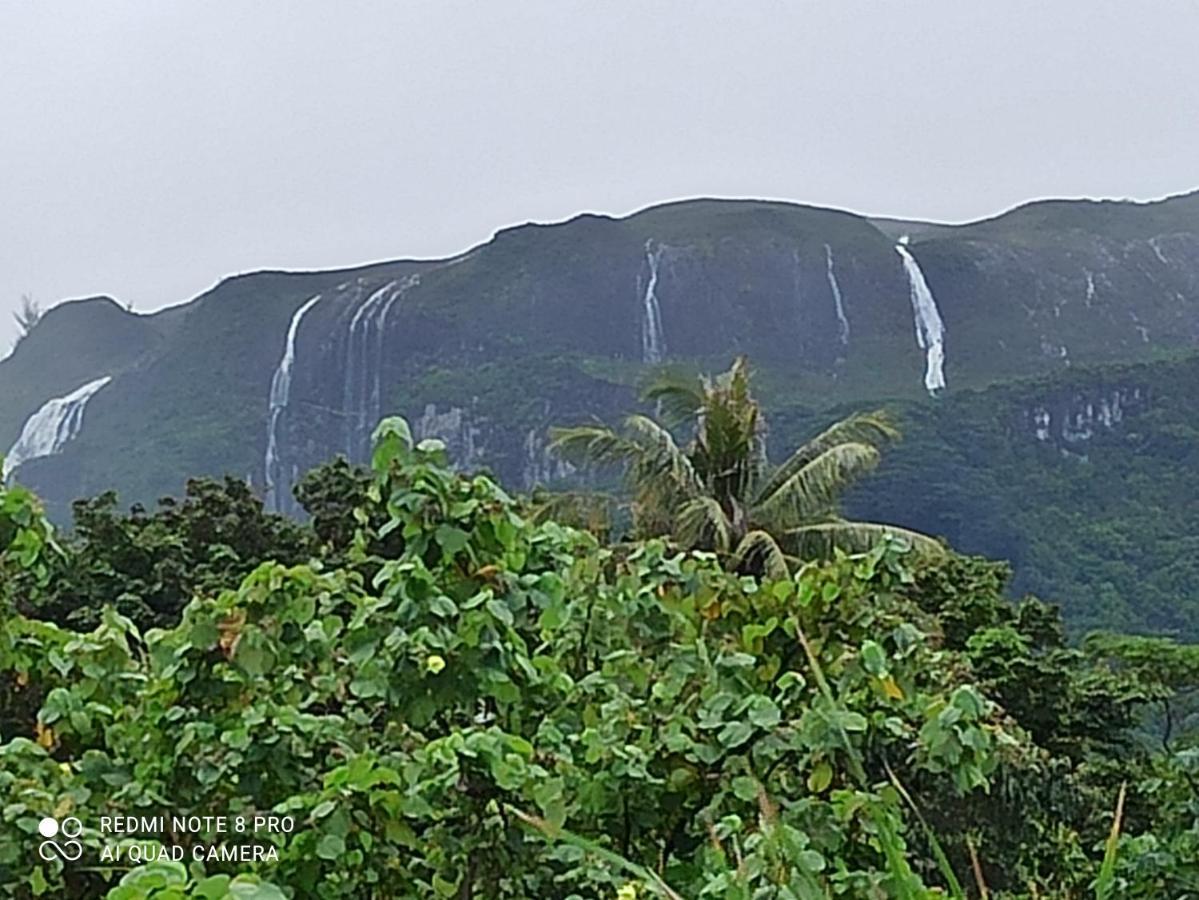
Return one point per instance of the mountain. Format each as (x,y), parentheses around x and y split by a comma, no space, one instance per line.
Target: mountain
(265,375)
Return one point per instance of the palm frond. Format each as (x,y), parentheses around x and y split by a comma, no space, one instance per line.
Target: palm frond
(679,396)
(870,428)
(761,554)
(660,458)
(736,380)
(659,474)
(593,444)
(729,448)
(819,541)
(812,490)
(702,523)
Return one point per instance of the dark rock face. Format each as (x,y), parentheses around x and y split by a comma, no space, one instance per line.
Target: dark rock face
(554,324)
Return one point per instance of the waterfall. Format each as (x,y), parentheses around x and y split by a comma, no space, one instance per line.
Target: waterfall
(652,345)
(362,396)
(930,330)
(376,401)
(836,289)
(279,397)
(52,427)
(356,391)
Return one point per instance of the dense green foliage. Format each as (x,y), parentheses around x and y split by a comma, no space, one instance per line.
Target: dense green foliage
(1105,525)
(148,566)
(452,700)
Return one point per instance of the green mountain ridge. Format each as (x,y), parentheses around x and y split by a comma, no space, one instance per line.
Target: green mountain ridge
(556,323)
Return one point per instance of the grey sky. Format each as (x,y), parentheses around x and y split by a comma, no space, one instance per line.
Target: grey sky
(148,148)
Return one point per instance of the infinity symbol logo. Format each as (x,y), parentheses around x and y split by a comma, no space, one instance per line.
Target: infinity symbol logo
(69,850)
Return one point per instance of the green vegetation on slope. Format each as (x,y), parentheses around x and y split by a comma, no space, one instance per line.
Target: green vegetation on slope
(1105,525)
(543,325)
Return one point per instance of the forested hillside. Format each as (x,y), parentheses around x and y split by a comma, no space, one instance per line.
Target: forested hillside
(1083,481)
(1012,323)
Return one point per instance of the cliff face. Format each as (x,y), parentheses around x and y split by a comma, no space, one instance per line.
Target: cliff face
(1069,419)
(556,324)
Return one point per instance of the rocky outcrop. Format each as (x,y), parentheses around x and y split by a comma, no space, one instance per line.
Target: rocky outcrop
(454,427)
(1069,419)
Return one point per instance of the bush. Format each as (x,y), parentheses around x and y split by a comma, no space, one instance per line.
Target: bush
(468,704)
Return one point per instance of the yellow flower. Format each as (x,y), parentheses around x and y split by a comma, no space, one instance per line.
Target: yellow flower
(434,664)
(627,891)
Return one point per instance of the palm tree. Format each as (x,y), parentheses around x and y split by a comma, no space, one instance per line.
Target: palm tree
(719,491)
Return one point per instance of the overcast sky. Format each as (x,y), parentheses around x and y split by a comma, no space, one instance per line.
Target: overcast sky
(149,148)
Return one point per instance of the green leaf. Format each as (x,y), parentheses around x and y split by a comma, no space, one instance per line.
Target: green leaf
(500,610)
(451,539)
(764,713)
(323,809)
(734,734)
(302,609)
(392,441)
(874,659)
(331,846)
(549,798)
(781,590)
(253,653)
(967,699)
(820,777)
(811,860)
(365,686)
(745,788)
(442,606)
(849,720)
(553,617)
(215,887)
(204,635)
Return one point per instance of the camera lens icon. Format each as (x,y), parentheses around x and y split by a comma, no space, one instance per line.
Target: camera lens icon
(68,850)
